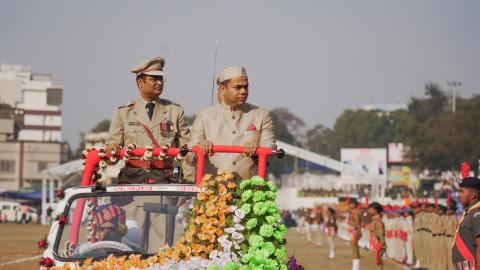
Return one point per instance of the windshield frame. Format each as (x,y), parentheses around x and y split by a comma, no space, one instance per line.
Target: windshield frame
(120,190)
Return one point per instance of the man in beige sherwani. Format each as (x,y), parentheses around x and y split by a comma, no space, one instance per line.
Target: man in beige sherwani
(233,122)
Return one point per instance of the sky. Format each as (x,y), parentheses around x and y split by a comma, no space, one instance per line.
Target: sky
(316,58)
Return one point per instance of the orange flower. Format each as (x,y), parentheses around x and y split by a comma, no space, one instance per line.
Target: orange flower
(219,232)
(208,192)
(222,190)
(201,196)
(211,238)
(231,185)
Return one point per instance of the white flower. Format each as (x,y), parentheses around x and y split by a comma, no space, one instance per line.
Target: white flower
(237,236)
(230,230)
(236,246)
(213,254)
(232,208)
(239,213)
(226,245)
(236,219)
(239,227)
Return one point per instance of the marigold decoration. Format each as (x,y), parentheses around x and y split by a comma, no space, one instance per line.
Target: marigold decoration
(230,227)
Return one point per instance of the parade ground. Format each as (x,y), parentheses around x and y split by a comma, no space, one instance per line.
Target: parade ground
(18,244)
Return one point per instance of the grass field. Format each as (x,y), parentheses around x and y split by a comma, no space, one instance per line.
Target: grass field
(19,241)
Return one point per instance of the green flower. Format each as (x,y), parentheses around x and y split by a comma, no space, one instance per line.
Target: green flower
(246,208)
(261,255)
(281,254)
(246,267)
(251,223)
(246,258)
(279,235)
(245,183)
(282,228)
(259,209)
(272,186)
(213,267)
(231,266)
(257,181)
(270,195)
(271,207)
(247,194)
(270,264)
(283,266)
(266,230)
(258,196)
(271,219)
(270,247)
(255,240)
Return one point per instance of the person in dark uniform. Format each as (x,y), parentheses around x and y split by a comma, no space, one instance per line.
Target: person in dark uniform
(466,244)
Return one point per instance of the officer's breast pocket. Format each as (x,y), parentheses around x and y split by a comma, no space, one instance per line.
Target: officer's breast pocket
(132,134)
(251,136)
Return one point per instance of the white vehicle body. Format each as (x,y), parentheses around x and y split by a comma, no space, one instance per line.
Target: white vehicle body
(55,238)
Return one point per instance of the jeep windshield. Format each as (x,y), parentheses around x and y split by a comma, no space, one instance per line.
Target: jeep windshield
(121,223)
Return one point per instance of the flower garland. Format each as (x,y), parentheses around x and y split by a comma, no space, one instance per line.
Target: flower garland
(229,228)
(265,235)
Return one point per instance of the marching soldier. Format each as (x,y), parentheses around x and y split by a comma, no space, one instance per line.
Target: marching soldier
(331,231)
(466,245)
(417,233)
(355,231)
(438,241)
(377,232)
(150,120)
(233,122)
(451,225)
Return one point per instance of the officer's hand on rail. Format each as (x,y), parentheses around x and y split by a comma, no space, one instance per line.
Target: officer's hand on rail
(207,147)
(113,147)
(250,148)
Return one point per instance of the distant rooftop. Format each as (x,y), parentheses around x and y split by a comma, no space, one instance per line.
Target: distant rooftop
(384,107)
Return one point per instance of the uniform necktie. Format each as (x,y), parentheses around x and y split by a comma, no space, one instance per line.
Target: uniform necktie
(150,107)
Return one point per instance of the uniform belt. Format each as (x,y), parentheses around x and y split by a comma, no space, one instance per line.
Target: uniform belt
(449,235)
(436,234)
(150,164)
(465,265)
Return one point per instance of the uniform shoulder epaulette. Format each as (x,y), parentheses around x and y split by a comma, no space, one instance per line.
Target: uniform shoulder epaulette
(169,102)
(129,104)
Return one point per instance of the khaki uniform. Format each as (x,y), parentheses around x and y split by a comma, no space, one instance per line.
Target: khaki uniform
(377,231)
(450,228)
(438,243)
(167,127)
(223,126)
(356,232)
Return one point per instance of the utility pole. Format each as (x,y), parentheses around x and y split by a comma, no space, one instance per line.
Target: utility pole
(454,86)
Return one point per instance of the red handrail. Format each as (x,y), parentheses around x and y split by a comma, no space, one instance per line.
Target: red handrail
(93,158)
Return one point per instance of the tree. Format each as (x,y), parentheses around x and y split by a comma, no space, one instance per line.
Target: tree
(361,128)
(320,140)
(101,126)
(432,106)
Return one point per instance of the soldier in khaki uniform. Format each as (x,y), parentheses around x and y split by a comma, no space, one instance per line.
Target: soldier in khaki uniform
(233,122)
(377,232)
(451,225)
(150,120)
(355,231)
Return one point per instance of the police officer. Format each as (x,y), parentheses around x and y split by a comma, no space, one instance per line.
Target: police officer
(377,232)
(233,122)
(466,245)
(355,231)
(150,120)
(451,225)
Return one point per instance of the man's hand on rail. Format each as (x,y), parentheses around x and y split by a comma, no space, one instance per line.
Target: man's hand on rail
(250,148)
(207,147)
(113,147)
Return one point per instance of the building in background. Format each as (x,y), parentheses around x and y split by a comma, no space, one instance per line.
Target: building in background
(30,127)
